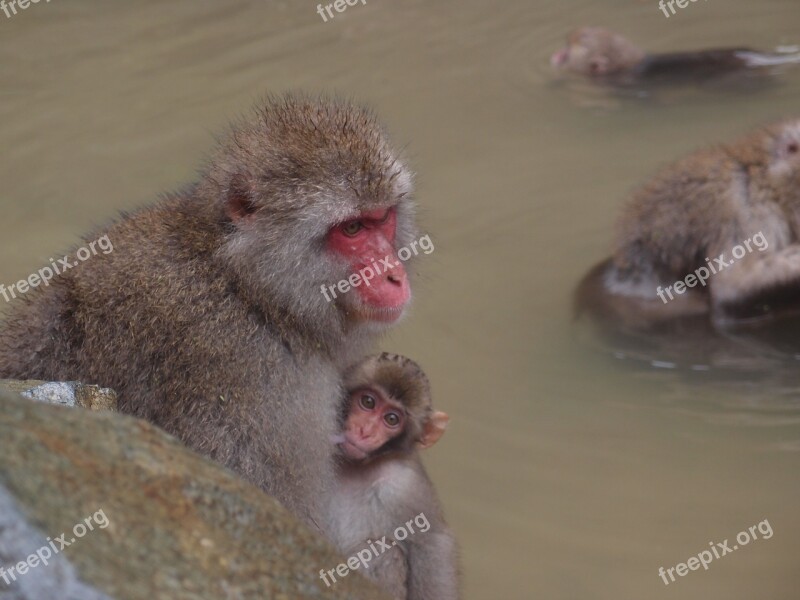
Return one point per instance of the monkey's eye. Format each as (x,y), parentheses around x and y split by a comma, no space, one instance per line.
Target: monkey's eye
(352,228)
(384,218)
(392,419)
(367,402)
(793,148)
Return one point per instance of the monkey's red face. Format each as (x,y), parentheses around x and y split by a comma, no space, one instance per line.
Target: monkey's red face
(381,288)
(372,421)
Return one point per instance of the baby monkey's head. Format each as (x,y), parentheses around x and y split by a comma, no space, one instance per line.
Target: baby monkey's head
(388,408)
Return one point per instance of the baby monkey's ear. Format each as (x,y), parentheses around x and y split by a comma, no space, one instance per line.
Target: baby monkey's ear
(434,429)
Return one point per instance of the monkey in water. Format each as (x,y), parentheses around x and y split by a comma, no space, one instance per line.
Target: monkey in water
(608,57)
(208,319)
(383,491)
(715,234)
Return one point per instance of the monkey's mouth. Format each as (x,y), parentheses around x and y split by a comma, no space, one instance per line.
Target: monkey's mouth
(386,314)
(382,314)
(350,450)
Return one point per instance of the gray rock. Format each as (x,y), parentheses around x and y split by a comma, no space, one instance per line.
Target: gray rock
(19,542)
(177,526)
(64,393)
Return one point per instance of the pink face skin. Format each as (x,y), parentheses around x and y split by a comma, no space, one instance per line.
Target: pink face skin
(372,421)
(366,240)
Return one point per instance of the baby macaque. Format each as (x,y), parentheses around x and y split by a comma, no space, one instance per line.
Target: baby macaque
(606,56)
(385,514)
(717,233)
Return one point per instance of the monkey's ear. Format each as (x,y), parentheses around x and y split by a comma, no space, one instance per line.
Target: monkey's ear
(239,205)
(434,429)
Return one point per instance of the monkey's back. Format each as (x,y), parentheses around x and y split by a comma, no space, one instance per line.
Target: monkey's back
(161,323)
(672,223)
(697,65)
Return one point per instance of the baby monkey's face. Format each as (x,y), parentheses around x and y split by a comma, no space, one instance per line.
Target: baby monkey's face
(373,419)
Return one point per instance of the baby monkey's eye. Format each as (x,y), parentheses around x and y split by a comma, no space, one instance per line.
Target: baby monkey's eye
(793,148)
(367,402)
(352,228)
(392,419)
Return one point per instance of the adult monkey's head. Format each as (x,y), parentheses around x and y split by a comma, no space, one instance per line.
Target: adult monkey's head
(597,52)
(311,192)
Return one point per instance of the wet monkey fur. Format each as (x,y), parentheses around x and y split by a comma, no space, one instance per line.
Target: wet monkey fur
(695,211)
(606,56)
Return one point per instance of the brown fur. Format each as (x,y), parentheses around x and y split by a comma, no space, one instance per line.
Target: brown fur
(700,207)
(214,327)
(375,496)
(596,52)
(609,57)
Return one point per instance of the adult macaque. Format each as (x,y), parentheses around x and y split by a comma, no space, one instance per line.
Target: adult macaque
(383,486)
(207,318)
(717,234)
(606,56)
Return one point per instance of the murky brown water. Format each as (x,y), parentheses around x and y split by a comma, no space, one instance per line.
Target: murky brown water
(567,474)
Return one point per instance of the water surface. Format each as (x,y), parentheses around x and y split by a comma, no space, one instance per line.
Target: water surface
(567,473)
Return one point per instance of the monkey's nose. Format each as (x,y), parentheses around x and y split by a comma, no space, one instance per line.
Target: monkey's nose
(395,279)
